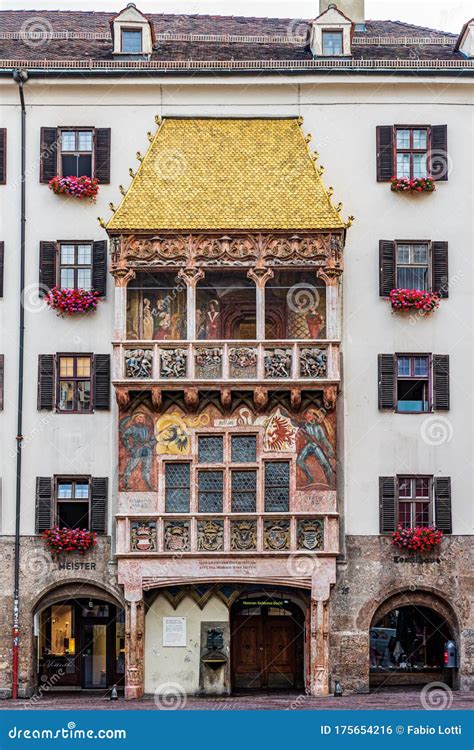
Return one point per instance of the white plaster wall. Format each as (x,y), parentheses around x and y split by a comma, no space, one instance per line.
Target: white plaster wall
(342,116)
(180,666)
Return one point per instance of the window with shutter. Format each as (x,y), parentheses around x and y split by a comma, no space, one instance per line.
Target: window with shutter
(414,501)
(49,153)
(2,380)
(102,381)
(47,267)
(77,152)
(441,398)
(99,505)
(44,504)
(2,265)
(73,502)
(3,156)
(102,155)
(386,363)
(387,504)
(99,267)
(440,269)
(46,398)
(385,170)
(439,164)
(413,383)
(443,513)
(387,265)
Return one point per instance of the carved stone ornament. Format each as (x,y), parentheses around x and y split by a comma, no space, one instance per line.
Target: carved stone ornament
(310,534)
(138,363)
(276,535)
(277,363)
(260,398)
(210,536)
(243,535)
(208,363)
(173,363)
(143,536)
(313,363)
(330,397)
(122,396)
(177,536)
(242,362)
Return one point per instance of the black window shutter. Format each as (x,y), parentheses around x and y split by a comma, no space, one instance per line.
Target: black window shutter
(441,382)
(102,381)
(48,153)
(440,269)
(2,266)
(47,267)
(46,382)
(442,493)
(386,381)
(439,160)
(3,156)
(102,155)
(99,505)
(99,267)
(388,267)
(387,504)
(44,504)
(385,168)
(2,380)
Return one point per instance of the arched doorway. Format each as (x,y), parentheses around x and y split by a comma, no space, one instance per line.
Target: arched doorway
(407,639)
(267,643)
(79,640)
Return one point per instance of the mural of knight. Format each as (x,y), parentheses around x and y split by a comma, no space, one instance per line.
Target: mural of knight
(227,377)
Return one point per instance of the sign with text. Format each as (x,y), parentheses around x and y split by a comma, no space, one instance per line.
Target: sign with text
(174,631)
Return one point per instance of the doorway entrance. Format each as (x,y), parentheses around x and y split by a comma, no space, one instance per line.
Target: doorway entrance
(267,644)
(81,645)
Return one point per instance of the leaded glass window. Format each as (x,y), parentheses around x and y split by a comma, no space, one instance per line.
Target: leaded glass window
(277,487)
(244,491)
(244,449)
(210,449)
(211,491)
(177,487)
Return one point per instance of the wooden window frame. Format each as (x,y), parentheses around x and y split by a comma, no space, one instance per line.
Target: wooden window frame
(429,244)
(413,501)
(75,128)
(414,378)
(135,30)
(74,266)
(74,479)
(75,378)
(411,150)
(340,32)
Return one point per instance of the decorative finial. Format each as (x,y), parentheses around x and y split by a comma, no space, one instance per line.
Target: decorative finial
(150,136)
(300,120)
(308,138)
(131,172)
(350,221)
(339,208)
(321,170)
(101,222)
(158,119)
(112,207)
(122,190)
(315,155)
(139,156)
(330,190)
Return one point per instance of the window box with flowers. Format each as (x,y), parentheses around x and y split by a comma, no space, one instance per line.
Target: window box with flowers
(414,185)
(417,538)
(72,301)
(75,187)
(403,300)
(68,541)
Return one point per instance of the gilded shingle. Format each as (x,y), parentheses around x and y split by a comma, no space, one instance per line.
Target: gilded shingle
(213,174)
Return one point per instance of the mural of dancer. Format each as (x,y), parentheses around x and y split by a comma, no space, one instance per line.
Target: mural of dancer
(137,449)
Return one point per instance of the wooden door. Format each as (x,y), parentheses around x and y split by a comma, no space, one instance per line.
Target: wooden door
(280,652)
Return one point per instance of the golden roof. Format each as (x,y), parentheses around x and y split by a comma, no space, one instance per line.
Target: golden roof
(227,174)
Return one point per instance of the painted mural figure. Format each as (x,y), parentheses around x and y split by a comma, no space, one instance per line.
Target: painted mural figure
(317,445)
(137,436)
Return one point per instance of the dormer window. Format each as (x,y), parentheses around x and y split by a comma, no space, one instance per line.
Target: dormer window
(332,43)
(132,41)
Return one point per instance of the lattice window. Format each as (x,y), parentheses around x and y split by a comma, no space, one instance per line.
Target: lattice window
(244,449)
(277,487)
(210,449)
(211,491)
(244,491)
(177,487)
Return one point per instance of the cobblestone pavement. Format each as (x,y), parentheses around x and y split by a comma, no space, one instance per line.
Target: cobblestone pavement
(379,700)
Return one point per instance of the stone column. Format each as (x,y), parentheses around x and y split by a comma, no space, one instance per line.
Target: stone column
(122,277)
(319,679)
(260,276)
(134,647)
(333,283)
(191,276)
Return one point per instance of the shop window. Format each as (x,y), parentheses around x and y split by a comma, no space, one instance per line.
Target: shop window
(295,306)
(75,265)
(74,383)
(414,501)
(76,153)
(277,487)
(413,383)
(226,307)
(177,487)
(156,308)
(73,504)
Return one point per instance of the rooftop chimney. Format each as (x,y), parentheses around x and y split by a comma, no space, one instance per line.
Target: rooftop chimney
(354,9)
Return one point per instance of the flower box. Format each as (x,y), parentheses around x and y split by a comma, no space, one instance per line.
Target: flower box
(417,185)
(72,301)
(414,299)
(417,539)
(76,187)
(68,541)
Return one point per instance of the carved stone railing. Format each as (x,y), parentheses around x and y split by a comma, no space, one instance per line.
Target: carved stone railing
(271,361)
(198,534)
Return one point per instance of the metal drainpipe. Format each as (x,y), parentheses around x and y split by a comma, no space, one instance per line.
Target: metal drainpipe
(20,77)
